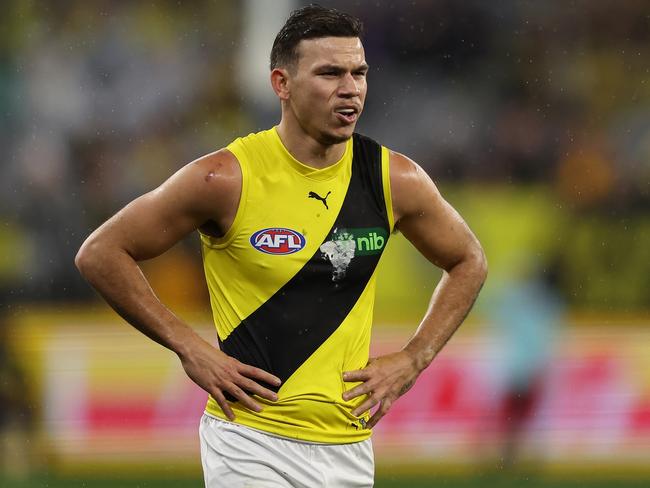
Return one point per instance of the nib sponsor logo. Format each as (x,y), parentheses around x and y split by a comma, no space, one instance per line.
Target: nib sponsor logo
(371,243)
(346,244)
(277,241)
(367,240)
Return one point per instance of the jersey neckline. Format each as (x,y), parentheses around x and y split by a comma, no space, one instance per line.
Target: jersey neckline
(320,174)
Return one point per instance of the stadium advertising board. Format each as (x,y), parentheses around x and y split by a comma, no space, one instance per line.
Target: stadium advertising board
(108,396)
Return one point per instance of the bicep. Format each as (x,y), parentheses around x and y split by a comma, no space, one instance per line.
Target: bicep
(148,226)
(426,219)
(151,224)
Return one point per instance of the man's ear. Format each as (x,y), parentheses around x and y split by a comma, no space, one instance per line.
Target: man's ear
(280,83)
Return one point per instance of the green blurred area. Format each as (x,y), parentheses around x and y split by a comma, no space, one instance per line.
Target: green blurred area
(498,480)
(602,262)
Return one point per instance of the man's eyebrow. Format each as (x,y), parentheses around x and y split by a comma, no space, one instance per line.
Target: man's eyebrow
(338,68)
(329,67)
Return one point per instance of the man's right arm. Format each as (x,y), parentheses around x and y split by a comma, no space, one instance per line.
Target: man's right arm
(205,191)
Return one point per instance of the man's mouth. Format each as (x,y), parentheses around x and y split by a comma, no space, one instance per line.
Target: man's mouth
(347,114)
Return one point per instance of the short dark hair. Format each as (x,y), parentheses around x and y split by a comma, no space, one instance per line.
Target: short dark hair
(311,22)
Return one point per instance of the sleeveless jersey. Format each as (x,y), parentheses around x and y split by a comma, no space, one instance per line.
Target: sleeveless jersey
(292,282)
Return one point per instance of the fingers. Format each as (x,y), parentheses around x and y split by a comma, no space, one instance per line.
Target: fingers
(370,402)
(260,374)
(356,375)
(359,390)
(242,387)
(244,398)
(381,411)
(227,379)
(383,380)
(223,403)
(246,372)
(257,389)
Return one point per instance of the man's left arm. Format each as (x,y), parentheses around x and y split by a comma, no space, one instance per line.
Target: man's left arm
(443,237)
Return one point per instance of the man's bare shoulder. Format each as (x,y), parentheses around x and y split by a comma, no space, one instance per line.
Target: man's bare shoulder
(409,185)
(204,193)
(218,172)
(215,182)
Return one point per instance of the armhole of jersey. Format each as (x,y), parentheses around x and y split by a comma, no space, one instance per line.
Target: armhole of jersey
(385,178)
(225,240)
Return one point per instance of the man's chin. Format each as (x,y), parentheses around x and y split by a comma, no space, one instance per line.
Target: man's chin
(336,137)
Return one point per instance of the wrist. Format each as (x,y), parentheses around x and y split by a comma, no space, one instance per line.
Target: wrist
(183,341)
(420,355)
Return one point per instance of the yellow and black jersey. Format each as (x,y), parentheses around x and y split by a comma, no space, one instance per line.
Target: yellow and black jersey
(292,282)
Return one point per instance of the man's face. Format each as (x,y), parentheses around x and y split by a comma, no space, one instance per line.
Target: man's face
(328,87)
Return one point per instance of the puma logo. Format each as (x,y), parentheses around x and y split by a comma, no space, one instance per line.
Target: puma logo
(315,195)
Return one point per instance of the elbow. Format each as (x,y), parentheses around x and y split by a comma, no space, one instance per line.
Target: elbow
(480,264)
(83,259)
(484,267)
(474,264)
(87,257)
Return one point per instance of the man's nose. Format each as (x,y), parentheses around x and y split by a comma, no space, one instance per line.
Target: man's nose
(349,87)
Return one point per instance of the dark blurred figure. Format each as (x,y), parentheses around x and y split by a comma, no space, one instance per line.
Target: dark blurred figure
(527,312)
(15,414)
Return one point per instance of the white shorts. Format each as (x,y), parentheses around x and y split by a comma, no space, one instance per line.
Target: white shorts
(235,456)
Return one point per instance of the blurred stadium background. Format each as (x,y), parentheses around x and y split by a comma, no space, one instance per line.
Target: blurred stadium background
(532,117)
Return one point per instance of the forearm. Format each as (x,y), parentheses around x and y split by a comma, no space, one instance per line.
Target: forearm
(118,278)
(451,302)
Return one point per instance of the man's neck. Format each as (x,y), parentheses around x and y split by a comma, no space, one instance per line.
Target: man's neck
(306,149)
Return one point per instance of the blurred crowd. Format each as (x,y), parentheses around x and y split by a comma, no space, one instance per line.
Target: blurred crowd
(101,101)
(519,92)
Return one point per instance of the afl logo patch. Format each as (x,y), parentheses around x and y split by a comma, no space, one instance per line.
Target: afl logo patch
(278,241)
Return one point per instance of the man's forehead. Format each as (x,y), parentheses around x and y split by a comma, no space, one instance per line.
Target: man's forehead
(331,50)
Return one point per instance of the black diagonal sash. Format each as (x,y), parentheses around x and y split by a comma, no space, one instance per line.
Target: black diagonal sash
(286,329)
